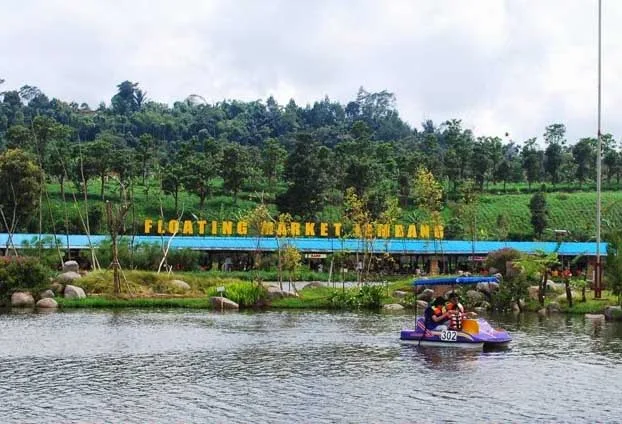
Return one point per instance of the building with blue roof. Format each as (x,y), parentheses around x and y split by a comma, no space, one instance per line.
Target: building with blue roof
(431,254)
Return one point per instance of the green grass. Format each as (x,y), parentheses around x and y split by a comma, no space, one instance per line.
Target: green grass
(310,298)
(110,302)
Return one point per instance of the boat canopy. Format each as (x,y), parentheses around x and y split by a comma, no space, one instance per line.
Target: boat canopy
(454,280)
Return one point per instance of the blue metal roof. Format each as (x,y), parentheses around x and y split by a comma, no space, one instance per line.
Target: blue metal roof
(440,281)
(320,245)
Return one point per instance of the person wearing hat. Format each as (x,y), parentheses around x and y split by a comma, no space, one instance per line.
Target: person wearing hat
(436,316)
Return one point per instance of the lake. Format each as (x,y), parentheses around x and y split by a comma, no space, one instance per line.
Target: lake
(179,366)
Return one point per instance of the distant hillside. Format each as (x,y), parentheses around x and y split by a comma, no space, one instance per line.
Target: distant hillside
(574,212)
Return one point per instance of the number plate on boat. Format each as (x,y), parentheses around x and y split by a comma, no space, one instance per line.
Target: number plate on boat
(449,336)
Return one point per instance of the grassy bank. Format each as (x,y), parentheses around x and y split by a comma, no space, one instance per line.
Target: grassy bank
(150,290)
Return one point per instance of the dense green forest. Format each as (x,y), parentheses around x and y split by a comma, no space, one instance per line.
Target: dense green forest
(195,159)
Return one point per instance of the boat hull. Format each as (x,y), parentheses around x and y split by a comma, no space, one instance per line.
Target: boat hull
(475,334)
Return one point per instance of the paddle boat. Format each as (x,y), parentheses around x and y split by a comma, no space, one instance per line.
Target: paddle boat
(470,333)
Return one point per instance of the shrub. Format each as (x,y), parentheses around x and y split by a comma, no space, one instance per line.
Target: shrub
(366,297)
(21,273)
(246,295)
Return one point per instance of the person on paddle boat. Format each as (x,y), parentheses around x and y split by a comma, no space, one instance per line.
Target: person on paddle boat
(436,316)
(456,311)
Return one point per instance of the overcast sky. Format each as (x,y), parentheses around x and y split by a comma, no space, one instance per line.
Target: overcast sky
(501,66)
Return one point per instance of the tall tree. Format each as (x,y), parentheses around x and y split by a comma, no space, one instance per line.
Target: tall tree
(237,167)
(531,161)
(20,188)
(539,213)
(584,153)
(306,172)
(554,137)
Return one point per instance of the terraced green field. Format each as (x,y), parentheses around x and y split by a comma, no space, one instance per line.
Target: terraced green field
(575,212)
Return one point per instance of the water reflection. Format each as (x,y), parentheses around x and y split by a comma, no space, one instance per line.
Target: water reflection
(446,358)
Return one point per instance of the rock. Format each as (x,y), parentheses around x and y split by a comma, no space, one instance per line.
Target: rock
(313,285)
(286,293)
(74,292)
(273,292)
(68,277)
(487,287)
(553,307)
(179,284)
(474,297)
(222,303)
(613,313)
(426,295)
(47,294)
(515,307)
(595,317)
(71,266)
(393,307)
(533,292)
(542,312)
(22,300)
(400,294)
(47,303)
(422,304)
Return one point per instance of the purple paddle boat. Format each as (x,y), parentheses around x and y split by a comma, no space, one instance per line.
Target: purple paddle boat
(472,333)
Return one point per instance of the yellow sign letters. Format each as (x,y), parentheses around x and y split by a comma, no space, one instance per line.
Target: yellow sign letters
(291,229)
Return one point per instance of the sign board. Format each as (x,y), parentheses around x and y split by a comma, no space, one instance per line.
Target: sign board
(220,289)
(315,255)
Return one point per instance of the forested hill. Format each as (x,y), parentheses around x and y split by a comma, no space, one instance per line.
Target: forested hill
(303,158)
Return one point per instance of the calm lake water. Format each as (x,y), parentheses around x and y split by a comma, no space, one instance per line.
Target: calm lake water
(172,366)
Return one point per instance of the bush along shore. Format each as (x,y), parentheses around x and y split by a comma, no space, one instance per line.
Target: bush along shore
(73,288)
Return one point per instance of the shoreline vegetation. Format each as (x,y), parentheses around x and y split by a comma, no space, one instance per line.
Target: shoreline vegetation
(151,290)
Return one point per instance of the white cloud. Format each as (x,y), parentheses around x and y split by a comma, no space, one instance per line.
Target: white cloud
(502,66)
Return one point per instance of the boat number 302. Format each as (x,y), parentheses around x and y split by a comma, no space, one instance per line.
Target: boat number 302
(449,336)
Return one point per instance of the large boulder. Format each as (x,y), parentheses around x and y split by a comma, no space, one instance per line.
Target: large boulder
(274,292)
(179,285)
(313,284)
(393,307)
(47,303)
(553,307)
(71,266)
(613,313)
(47,294)
(22,300)
(422,304)
(222,303)
(74,292)
(426,295)
(474,297)
(68,277)
(400,294)
(487,288)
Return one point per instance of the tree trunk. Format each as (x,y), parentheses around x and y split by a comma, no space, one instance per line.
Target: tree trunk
(542,288)
(115,267)
(62,187)
(103,177)
(568,292)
